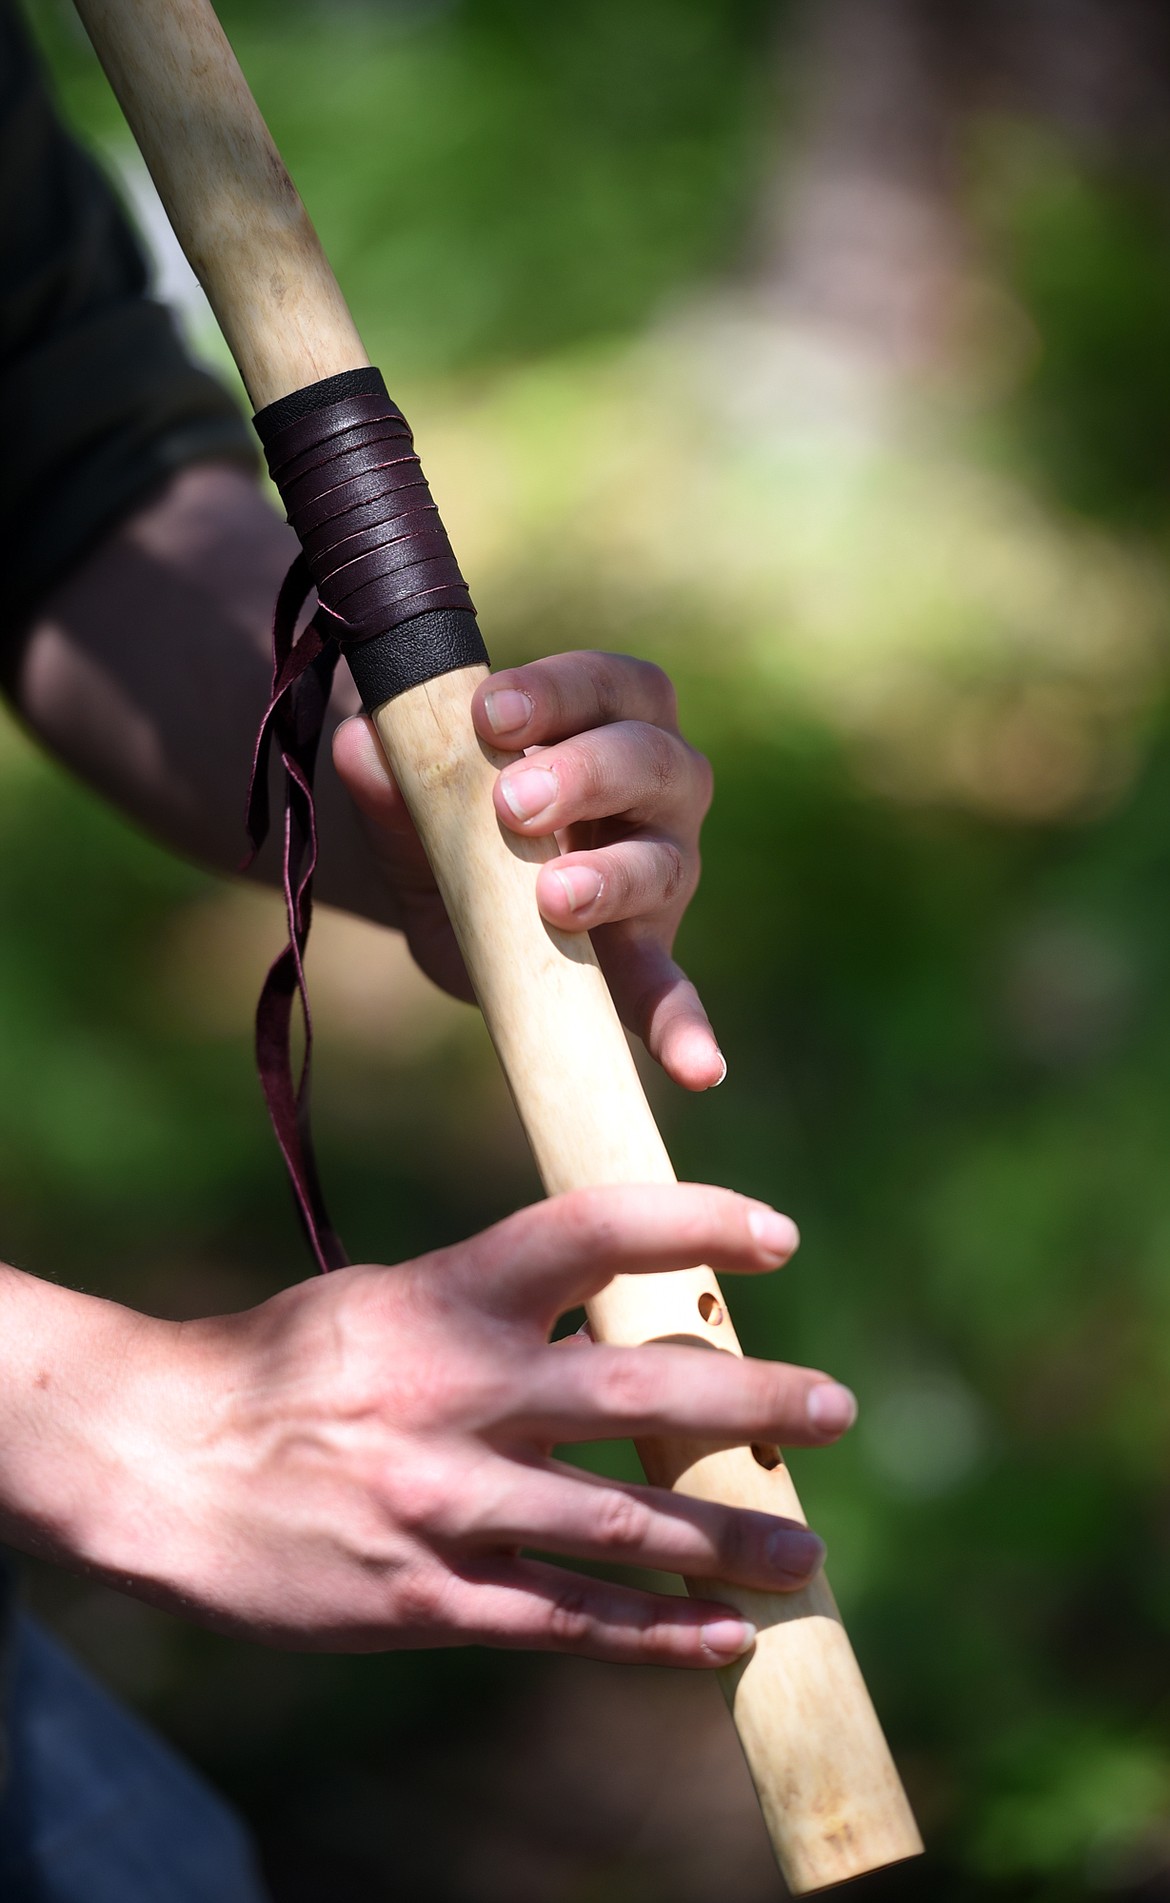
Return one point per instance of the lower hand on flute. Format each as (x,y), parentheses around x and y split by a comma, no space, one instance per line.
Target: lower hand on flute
(355,1463)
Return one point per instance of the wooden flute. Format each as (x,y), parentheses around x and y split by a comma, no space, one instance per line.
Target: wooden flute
(830,1795)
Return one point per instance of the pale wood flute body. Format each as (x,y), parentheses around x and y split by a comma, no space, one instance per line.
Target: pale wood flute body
(830,1794)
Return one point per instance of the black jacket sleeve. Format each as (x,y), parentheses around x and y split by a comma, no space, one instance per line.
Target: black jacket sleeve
(100,403)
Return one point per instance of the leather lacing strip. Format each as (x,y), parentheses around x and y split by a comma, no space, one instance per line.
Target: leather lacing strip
(390,597)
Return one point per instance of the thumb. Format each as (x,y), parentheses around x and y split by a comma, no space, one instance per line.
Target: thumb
(364,771)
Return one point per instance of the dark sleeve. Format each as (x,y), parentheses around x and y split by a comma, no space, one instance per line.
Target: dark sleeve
(99,401)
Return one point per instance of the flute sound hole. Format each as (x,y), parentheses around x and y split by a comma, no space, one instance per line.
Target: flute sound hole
(710,1310)
(768,1457)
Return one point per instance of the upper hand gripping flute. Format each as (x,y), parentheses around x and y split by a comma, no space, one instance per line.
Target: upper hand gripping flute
(830,1795)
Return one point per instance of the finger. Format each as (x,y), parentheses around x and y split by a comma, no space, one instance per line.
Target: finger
(363,769)
(517,1602)
(556,1253)
(632,879)
(566,694)
(562,1510)
(693,1393)
(580,1338)
(638,771)
(658,1002)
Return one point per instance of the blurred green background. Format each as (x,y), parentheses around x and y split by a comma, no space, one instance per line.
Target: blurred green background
(821,352)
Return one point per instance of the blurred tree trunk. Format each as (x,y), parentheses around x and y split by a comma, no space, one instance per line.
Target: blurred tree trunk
(863,236)
(1096,70)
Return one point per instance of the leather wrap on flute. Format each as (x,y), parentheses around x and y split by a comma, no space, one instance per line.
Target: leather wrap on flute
(828,1788)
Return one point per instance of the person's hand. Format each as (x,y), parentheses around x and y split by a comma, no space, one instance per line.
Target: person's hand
(166,729)
(361,1462)
(625,796)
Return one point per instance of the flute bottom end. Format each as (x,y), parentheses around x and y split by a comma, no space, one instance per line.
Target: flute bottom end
(846,1863)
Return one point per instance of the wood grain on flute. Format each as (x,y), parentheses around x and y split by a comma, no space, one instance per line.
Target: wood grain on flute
(831,1797)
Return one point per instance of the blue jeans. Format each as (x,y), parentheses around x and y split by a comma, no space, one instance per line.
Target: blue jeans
(94,1807)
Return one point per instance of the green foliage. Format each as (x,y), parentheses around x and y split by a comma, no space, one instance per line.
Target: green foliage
(969,1132)
(1085,248)
(500,178)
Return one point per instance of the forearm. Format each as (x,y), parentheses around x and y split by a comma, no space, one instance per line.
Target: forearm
(148,670)
(63,1463)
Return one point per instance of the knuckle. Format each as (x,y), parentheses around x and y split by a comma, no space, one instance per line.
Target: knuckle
(570,1620)
(420,1396)
(587,1223)
(765,1393)
(661,751)
(418,1500)
(673,871)
(492,1391)
(628,1384)
(418,1598)
(606,675)
(735,1539)
(621,1524)
(624,883)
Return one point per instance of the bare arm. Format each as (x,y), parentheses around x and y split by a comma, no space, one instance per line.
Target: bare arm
(147,672)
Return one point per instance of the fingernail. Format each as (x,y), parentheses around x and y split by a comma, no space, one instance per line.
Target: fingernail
(728,1638)
(831,1407)
(529,790)
(508,709)
(777,1235)
(795,1553)
(580,886)
(722,1071)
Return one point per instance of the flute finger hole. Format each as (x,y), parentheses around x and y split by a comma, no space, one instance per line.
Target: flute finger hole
(766,1456)
(710,1310)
